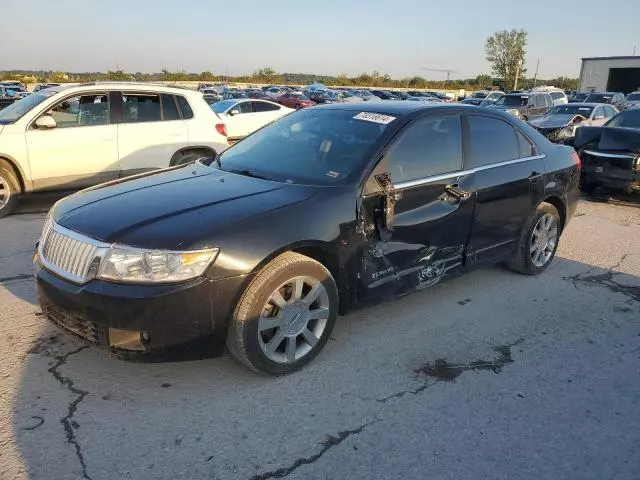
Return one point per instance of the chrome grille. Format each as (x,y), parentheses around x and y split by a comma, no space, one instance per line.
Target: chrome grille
(67,253)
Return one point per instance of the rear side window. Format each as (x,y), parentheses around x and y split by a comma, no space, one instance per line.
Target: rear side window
(169,109)
(265,107)
(429,146)
(141,107)
(185,109)
(490,141)
(524,145)
(556,95)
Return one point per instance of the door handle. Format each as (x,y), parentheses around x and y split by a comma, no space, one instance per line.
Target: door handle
(456,192)
(535,176)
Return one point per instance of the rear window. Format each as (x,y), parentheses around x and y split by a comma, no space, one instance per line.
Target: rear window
(634,96)
(599,98)
(556,95)
(628,118)
(185,109)
(513,100)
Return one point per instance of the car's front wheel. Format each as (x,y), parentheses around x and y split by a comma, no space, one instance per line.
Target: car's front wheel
(538,241)
(9,189)
(285,316)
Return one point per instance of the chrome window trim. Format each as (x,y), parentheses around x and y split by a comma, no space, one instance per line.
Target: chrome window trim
(460,173)
(609,155)
(101,249)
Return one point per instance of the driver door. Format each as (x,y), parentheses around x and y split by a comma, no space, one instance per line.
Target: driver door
(81,150)
(417,209)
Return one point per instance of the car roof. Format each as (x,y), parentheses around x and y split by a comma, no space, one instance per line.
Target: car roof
(128,86)
(581,104)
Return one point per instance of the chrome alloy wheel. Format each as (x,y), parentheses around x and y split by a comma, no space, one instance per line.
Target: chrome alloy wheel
(293,319)
(543,240)
(5,192)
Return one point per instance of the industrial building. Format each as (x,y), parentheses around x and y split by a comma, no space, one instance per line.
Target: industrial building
(610,74)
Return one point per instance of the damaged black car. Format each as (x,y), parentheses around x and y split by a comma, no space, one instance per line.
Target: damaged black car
(328,208)
(611,154)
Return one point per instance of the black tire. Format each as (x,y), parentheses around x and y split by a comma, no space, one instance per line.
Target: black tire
(525,118)
(298,106)
(521,261)
(242,337)
(189,156)
(11,187)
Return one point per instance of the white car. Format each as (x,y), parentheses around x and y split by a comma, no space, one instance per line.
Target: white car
(243,116)
(633,100)
(274,92)
(64,138)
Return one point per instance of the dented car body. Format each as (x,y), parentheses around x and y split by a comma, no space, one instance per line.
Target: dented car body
(611,154)
(390,197)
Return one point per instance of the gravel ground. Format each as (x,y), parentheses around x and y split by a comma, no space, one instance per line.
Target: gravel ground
(490,376)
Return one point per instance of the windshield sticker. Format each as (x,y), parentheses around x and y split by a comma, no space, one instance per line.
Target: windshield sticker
(375,117)
(333,174)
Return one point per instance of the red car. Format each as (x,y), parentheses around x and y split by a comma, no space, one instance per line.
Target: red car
(296,101)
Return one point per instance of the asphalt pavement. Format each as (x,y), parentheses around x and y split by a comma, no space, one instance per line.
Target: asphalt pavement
(490,376)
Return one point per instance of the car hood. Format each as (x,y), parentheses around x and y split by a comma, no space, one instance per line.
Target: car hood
(176,208)
(553,121)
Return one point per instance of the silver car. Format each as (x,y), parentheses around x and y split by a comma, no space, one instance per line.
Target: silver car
(559,124)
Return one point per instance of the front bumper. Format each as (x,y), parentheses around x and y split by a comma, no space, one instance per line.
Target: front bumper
(163,316)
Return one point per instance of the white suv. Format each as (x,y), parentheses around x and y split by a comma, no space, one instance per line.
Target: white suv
(65,138)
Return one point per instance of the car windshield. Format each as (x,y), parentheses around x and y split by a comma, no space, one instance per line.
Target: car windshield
(513,100)
(599,98)
(18,109)
(223,106)
(634,97)
(628,119)
(571,110)
(312,147)
(479,95)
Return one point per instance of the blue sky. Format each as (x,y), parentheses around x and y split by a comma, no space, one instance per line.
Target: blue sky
(329,37)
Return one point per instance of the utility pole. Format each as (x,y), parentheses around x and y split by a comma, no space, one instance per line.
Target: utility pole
(535,75)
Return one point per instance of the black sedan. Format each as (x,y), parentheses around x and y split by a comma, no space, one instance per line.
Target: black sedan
(385,95)
(326,209)
(611,154)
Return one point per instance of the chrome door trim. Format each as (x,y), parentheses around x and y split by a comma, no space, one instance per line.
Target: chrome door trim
(609,155)
(461,173)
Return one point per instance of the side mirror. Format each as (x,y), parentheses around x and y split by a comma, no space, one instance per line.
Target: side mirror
(233,112)
(45,122)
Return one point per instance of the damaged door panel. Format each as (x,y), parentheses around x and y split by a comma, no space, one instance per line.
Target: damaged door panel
(417,208)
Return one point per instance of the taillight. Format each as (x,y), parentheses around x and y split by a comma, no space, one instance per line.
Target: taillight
(221,128)
(576,158)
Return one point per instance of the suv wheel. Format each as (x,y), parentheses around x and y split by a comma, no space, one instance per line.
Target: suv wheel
(189,156)
(9,189)
(285,316)
(538,241)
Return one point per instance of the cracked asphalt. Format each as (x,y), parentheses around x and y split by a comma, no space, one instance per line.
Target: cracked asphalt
(490,376)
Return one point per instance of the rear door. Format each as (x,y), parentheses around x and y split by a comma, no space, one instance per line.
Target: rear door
(509,178)
(265,112)
(419,178)
(240,124)
(150,131)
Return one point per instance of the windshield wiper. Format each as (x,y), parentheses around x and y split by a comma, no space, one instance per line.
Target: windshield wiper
(249,173)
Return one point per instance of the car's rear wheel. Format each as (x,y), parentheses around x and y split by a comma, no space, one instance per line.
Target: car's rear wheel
(538,241)
(285,316)
(9,189)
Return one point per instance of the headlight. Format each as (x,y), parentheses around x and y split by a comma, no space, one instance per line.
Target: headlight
(126,264)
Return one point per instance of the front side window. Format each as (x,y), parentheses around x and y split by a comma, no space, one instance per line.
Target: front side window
(609,111)
(598,113)
(81,111)
(141,107)
(490,141)
(314,147)
(428,146)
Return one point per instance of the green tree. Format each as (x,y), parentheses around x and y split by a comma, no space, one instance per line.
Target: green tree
(118,76)
(484,81)
(58,77)
(505,51)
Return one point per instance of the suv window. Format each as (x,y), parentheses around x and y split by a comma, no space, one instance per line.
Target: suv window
(264,107)
(82,111)
(185,109)
(538,101)
(428,146)
(169,109)
(556,95)
(490,141)
(141,107)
